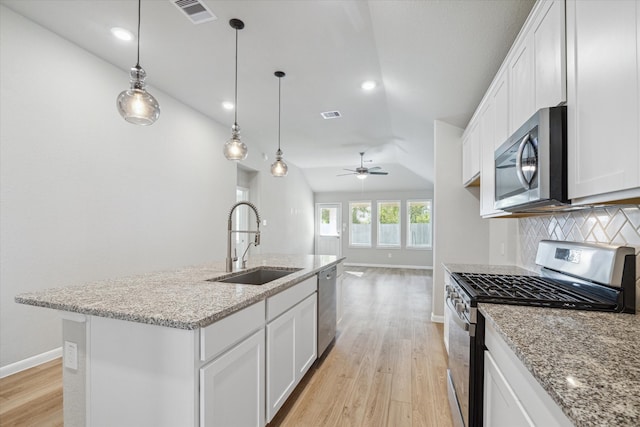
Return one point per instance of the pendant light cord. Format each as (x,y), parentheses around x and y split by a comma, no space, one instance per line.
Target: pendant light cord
(279,103)
(236,90)
(138,60)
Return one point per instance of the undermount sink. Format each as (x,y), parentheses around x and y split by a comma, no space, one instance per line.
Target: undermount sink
(259,276)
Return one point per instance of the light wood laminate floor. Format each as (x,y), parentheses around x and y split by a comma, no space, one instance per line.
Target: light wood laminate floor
(387,366)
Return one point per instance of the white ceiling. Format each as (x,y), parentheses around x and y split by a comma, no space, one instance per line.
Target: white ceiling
(431,59)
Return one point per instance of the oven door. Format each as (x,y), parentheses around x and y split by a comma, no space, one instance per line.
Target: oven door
(516,171)
(459,357)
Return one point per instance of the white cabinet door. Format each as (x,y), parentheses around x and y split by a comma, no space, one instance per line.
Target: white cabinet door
(281,361)
(500,100)
(602,88)
(471,155)
(306,335)
(487,171)
(521,82)
(492,120)
(291,350)
(549,55)
(232,386)
(501,406)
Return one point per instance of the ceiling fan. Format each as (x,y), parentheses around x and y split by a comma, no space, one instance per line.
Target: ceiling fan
(363,172)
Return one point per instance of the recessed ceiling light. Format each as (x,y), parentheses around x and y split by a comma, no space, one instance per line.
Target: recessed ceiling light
(227,105)
(122,34)
(368,85)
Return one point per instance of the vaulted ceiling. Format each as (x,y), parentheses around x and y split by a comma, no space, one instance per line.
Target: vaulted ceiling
(431,59)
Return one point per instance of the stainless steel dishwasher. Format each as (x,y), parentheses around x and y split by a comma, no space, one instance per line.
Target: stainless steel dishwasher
(326,308)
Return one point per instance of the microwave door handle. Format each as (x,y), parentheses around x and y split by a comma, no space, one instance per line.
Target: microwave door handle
(519,172)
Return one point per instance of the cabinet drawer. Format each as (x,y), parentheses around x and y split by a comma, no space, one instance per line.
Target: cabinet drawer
(216,338)
(278,304)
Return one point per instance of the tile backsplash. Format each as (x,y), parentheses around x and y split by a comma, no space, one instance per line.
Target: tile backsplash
(618,225)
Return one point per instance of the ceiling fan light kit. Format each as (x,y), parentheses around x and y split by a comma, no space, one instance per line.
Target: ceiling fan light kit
(234,148)
(136,105)
(362,172)
(279,168)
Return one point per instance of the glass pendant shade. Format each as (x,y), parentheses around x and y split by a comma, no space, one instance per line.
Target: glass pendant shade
(279,168)
(362,176)
(234,148)
(136,105)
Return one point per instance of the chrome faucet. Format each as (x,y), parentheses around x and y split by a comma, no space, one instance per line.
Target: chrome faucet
(230,232)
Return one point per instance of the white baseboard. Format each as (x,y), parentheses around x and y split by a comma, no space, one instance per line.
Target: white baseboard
(435,318)
(410,267)
(30,362)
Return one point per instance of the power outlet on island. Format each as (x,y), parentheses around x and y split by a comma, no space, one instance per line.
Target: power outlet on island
(71,355)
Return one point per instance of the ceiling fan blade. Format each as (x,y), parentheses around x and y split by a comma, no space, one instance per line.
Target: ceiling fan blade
(375,168)
(378,173)
(345,174)
(350,170)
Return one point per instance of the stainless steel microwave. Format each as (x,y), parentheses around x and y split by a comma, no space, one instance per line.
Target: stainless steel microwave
(531,166)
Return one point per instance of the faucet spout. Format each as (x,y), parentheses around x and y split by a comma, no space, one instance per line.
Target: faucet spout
(230,231)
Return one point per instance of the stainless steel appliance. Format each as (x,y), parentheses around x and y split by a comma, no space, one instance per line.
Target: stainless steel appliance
(531,166)
(573,276)
(327,305)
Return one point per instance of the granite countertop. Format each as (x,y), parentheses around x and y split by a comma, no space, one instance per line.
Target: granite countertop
(588,362)
(182,298)
(488,269)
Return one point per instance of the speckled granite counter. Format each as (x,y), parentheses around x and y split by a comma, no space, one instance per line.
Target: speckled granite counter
(182,298)
(488,269)
(588,362)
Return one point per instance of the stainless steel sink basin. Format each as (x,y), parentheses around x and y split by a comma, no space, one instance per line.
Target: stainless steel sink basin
(259,276)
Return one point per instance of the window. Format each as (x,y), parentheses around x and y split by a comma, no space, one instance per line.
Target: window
(360,220)
(419,224)
(329,221)
(389,224)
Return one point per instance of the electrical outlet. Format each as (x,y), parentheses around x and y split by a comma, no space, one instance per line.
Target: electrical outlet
(71,355)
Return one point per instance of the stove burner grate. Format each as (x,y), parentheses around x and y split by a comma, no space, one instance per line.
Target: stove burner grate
(522,288)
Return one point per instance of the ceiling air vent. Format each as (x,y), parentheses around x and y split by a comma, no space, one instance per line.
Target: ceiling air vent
(331,115)
(196,10)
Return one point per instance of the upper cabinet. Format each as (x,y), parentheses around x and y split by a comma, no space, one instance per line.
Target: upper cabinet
(532,76)
(470,156)
(603,111)
(494,129)
(550,66)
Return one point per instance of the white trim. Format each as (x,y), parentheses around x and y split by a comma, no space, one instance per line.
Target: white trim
(30,362)
(410,267)
(435,318)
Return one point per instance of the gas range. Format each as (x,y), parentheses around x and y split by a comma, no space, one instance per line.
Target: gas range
(572,276)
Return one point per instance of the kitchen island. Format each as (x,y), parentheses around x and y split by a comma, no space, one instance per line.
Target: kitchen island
(181,348)
(587,362)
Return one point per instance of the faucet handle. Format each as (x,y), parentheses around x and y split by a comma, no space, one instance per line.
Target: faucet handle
(257,239)
(235,254)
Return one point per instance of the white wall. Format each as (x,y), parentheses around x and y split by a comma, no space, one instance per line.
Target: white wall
(286,203)
(87,196)
(374,256)
(460,234)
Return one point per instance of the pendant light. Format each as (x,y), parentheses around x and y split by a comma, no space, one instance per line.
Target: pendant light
(234,148)
(136,105)
(279,168)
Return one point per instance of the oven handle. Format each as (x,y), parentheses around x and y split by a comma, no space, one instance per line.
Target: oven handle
(519,172)
(456,316)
